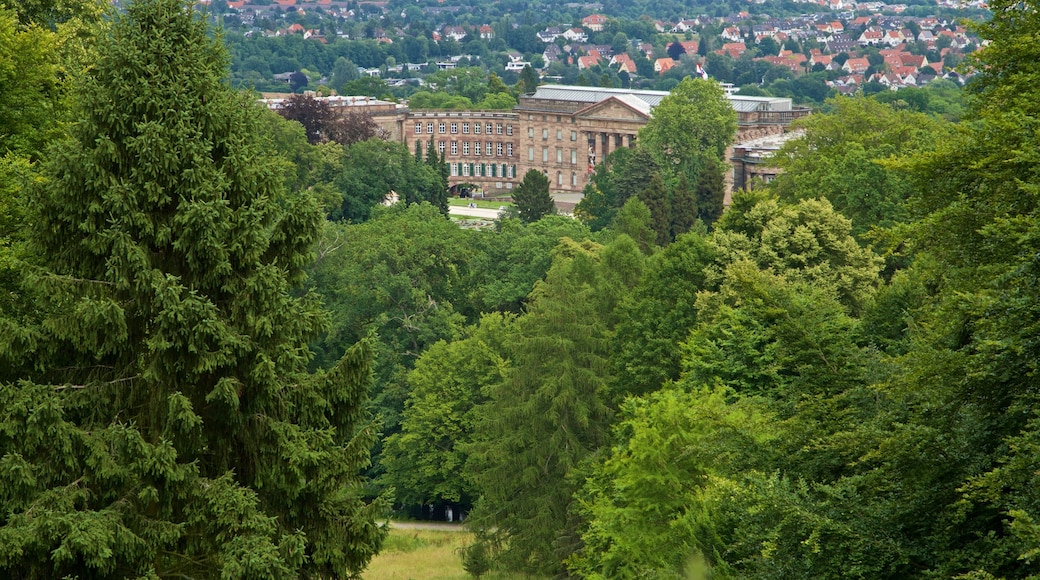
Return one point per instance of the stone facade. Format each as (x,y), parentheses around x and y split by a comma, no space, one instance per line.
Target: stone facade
(481,148)
(562,131)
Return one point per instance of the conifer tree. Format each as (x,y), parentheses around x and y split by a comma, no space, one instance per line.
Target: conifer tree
(684,208)
(168,427)
(532,197)
(655,196)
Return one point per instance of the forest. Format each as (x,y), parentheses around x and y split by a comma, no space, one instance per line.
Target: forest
(221,356)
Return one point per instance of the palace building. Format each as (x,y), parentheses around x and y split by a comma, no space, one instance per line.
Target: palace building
(562,131)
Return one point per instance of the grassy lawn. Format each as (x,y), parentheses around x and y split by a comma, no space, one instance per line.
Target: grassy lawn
(425,554)
(480,203)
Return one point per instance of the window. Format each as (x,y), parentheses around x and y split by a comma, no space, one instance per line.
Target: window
(418,128)
(488,148)
(545,154)
(476,147)
(476,128)
(530,153)
(487,128)
(498,149)
(440,127)
(465,147)
(429,128)
(574,156)
(440,147)
(530,132)
(454,147)
(454,128)
(545,134)
(574,135)
(509,149)
(558,119)
(574,178)
(465,169)
(509,130)
(559,134)
(511,171)
(498,129)
(454,169)
(465,128)
(559,178)
(559,155)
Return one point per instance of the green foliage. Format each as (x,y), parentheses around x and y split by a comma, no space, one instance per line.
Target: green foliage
(848,145)
(399,172)
(506,263)
(649,502)
(167,422)
(546,417)
(695,122)
(396,276)
(655,197)
(660,315)
(32,93)
(635,221)
(807,241)
(426,461)
(532,197)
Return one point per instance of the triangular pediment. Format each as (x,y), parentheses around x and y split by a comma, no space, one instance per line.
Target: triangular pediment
(613,108)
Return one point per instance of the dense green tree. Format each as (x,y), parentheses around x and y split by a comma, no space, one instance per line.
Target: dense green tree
(395,276)
(532,197)
(660,315)
(684,208)
(635,221)
(426,461)
(849,144)
(362,189)
(546,417)
(167,426)
(655,197)
(807,241)
(506,263)
(694,123)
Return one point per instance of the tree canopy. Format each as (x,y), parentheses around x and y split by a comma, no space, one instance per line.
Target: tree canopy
(165,423)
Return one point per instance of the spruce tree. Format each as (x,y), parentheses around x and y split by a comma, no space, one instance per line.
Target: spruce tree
(168,426)
(532,197)
(655,196)
(684,208)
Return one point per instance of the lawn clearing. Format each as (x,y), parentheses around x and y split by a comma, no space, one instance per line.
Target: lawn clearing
(425,555)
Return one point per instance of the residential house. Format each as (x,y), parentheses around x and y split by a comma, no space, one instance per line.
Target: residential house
(624,63)
(576,35)
(732,34)
(872,36)
(856,65)
(594,22)
(733,49)
(663,65)
(549,34)
(588,61)
(486,32)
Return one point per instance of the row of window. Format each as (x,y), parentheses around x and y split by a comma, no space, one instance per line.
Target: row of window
(477,147)
(559,155)
(443,127)
(482,170)
(545,134)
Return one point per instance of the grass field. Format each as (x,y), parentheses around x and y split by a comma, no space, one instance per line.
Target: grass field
(479,202)
(425,555)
